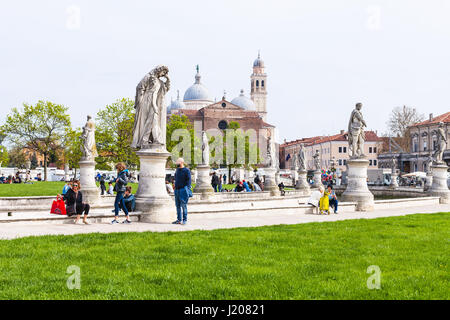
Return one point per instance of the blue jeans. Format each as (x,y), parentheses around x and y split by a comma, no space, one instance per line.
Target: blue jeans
(334,204)
(120,204)
(181,200)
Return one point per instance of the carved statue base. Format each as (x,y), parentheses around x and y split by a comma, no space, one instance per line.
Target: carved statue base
(439,188)
(302,184)
(317,179)
(270,183)
(90,191)
(394,182)
(428,181)
(151,197)
(357,189)
(203,184)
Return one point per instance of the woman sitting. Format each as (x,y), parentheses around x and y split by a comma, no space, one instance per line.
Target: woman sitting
(75,204)
(324,203)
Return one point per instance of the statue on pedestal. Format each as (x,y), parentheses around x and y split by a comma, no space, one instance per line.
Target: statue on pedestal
(316,158)
(88,147)
(356,136)
(294,165)
(271,158)
(394,165)
(205,149)
(441,144)
(149,122)
(301,158)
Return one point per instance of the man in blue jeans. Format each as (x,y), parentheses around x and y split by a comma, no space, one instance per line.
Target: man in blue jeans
(182,189)
(333,199)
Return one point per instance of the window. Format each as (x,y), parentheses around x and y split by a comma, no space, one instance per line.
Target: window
(257,83)
(340,149)
(370,162)
(340,162)
(425,144)
(224,104)
(415,144)
(345,162)
(223,125)
(345,149)
(262,83)
(375,162)
(374,149)
(370,149)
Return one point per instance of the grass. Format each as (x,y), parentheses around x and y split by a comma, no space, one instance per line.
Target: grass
(307,261)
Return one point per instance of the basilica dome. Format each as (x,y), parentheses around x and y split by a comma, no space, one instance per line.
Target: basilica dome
(176,104)
(243,102)
(258,62)
(197,91)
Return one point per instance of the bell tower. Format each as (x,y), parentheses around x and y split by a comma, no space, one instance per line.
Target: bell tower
(258,87)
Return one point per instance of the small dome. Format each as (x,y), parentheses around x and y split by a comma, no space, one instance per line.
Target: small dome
(176,104)
(243,102)
(258,62)
(197,91)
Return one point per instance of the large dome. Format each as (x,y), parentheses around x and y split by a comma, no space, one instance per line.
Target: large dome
(243,102)
(176,104)
(197,91)
(258,62)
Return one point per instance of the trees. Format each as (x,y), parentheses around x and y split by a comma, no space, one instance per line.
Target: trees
(114,134)
(72,150)
(174,123)
(400,119)
(4,157)
(39,128)
(17,158)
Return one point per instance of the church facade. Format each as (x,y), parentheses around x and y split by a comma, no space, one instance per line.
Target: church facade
(207,115)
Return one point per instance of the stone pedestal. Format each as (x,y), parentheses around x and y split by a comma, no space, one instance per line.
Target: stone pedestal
(357,189)
(439,187)
(394,182)
(302,184)
(270,183)
(151,197)
(203,184)
(294,177)
(66,172)
(428,181)
(90,191)
(317,179)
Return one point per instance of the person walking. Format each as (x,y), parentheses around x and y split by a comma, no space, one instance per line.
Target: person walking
(119,203)
(182,191)
(215,181)
(74,202)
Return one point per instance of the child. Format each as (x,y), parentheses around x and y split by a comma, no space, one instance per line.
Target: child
(111,188)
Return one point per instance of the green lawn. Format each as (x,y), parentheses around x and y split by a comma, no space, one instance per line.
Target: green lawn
(307,261)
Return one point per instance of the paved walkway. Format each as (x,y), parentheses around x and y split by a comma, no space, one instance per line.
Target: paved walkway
(205,222)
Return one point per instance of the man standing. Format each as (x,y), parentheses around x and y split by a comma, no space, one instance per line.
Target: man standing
(182,191)
(102,184)
(215,181)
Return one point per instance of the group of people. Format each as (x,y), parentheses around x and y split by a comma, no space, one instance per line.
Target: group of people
(77,205)
(19,178)
(324,200)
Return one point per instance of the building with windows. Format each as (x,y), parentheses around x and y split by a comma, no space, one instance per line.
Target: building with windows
(331,148)
(423,144)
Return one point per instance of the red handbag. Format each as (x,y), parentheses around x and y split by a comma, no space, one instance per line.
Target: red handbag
(58,207)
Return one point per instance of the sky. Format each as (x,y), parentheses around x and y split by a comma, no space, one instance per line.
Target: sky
(321,56)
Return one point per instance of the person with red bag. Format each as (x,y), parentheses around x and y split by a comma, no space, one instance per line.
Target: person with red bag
(58,206)
(75,204)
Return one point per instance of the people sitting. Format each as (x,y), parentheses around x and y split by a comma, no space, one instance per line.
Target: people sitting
(333,199)
(239,187)
(110,189)
(66,187)
(257,187)
(169,187)
(324,203)
(314,198)
(75,204)
(245,185)
(129,199)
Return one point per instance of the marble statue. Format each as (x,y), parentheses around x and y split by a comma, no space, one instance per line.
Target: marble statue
(271,153)
(149,122)
(302,158)
(316,158)
(393,164)
(429,162)
(205,149)
(441,144)
(356,136)
(88,147)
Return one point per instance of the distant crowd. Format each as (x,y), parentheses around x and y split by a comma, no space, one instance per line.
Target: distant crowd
(20,178)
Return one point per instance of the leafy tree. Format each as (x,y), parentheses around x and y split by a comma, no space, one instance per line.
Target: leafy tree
(17,158)
(237,160)
(40,128)
(180,122)
(114,134)
(72,151)
(400,120)
(4,157)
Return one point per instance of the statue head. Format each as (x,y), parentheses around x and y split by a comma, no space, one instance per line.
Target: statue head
(441,124)
(89,117)
(160,71)
(358,106)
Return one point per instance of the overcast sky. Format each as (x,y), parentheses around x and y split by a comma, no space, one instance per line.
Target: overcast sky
(321,56)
